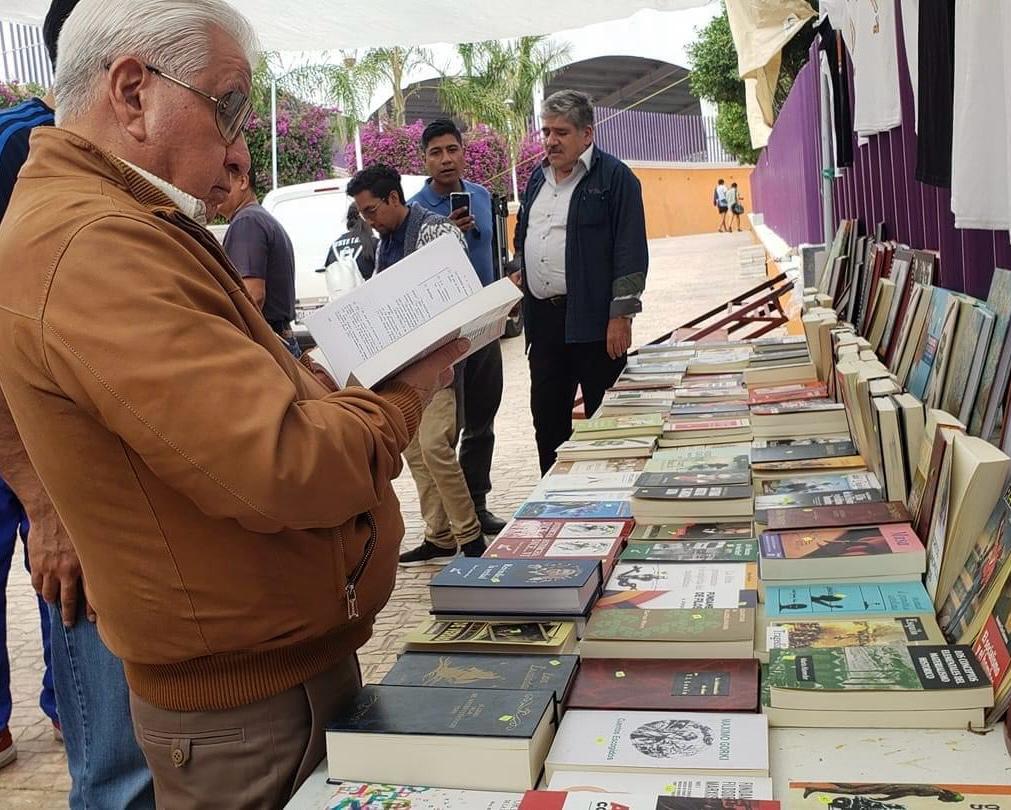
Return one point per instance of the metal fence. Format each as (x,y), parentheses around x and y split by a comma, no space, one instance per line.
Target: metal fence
(659,137)
(23,56)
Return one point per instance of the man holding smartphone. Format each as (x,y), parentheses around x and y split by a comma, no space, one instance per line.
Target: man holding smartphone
(469,206)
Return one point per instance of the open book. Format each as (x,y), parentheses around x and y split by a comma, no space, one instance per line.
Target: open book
(408,311)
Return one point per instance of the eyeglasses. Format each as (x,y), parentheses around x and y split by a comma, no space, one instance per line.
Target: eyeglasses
(231,111)
(369,211)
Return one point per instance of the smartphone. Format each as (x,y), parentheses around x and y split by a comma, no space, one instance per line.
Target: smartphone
(459,199)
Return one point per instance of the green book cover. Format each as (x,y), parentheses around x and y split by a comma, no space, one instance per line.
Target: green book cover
(672,624)
(690,551)
(645,420)
(888,667)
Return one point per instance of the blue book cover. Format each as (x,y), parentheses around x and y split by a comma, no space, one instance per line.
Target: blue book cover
(469,572)
(940,303)
(575,510)
(901,598)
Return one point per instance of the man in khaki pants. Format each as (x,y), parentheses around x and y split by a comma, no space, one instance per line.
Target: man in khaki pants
(451,521)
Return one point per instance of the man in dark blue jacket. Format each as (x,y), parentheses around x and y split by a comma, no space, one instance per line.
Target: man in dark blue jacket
(581,241)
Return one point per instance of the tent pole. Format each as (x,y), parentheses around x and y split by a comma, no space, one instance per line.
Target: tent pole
(273,132)
(359,163)
(827,159)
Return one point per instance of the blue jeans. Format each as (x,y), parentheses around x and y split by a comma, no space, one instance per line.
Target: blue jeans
(106,765)
(14,520)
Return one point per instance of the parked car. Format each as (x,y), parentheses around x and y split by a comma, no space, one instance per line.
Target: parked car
(314,215)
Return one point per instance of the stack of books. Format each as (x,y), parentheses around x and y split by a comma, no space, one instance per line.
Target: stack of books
(825,504)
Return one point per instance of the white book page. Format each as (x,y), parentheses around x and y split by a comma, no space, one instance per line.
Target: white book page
(392,304)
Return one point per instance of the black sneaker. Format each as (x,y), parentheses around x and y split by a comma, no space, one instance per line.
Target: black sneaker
(491,524)
(475,548)
(427,554)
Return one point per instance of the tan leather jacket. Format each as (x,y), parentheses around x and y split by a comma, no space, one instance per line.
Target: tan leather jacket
(235,520)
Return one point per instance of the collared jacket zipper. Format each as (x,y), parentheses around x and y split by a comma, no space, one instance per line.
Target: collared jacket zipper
(356,574)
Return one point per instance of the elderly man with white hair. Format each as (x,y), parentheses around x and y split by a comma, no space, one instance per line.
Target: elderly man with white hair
(234,516)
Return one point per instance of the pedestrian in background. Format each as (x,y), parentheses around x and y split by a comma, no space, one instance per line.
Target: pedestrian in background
(357,243)
(481,387)
(735,202)
(581,236)
(720,201)
(261,251)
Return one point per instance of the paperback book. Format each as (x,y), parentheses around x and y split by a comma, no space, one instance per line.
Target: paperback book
(740,530)
(694,585)
(574,510)
(578,800)
(858,599)
(718,788)
(674,633)
(693,551)
(636,741)
(532,529)
(542,638)
(374,796)
(657,685)
(831,517)
(819,795)
(887,677)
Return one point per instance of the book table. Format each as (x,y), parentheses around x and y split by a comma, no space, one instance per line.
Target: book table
(839,755)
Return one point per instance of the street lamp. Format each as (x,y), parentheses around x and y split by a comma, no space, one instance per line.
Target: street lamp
(512,158)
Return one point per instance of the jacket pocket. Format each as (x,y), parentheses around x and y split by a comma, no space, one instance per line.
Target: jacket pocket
(593,208)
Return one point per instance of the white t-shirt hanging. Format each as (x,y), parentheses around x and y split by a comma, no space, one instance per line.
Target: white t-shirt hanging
(875,67)
(980,148)
(911,38)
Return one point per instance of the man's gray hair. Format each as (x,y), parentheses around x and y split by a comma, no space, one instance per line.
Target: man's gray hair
(173,35)
(575,106)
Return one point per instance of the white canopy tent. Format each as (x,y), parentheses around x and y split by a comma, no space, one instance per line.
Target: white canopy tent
(308,25)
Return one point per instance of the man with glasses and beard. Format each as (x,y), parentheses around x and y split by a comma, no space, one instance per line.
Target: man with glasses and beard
(234,517)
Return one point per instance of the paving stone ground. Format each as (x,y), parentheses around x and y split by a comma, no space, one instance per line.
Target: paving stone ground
(688,275)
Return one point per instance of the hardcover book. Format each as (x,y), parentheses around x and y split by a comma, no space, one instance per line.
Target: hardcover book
(515,587)
(693,551)
(574,510)
(830,517)
(861,599)
(819,795)
(543,638)
(660,741)
(869,632)
(741,530)
(888,677)
(873,551)
(449,738)
(485,671)
(655,685)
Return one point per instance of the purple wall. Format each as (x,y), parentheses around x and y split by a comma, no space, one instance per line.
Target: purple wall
(785,185)
(636,135)
(880,186)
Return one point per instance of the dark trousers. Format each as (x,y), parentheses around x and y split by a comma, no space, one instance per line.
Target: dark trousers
(556,369)
(480,400)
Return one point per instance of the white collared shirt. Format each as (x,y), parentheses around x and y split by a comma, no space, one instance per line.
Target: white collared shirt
(547,219)
(188,204)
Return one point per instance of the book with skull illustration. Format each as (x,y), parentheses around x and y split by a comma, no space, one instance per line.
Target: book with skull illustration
(442,737)
(637,741)
(516,587)
(486,671)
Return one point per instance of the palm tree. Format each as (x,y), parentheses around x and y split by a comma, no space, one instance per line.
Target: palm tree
(497,84)
(498,80)
(394,65)
(343,81)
